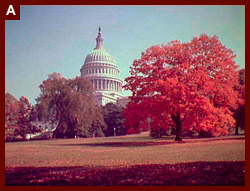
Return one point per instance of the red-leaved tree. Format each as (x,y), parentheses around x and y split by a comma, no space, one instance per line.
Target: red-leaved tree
(189,86)
(19,115)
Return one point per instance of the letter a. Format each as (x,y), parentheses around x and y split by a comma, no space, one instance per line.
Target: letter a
(10,10)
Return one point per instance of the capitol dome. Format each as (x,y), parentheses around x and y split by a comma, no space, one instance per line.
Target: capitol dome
(99,55)
(100,69)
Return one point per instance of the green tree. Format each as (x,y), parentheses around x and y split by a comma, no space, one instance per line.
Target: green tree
(98,125)
(69,104)
(113,117)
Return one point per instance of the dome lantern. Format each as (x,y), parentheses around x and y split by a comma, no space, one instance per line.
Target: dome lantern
(99,40)
(99,54)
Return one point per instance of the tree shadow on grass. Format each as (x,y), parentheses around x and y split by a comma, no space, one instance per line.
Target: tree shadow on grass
(120,144)
(182,174)
(148,143)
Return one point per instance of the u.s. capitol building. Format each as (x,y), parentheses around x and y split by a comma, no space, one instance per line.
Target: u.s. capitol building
(101,70)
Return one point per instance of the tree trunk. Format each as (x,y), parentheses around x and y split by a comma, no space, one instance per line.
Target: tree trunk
(237,130)
(237,127)
(178,134)
(55,131)
(54,135)
(177,120)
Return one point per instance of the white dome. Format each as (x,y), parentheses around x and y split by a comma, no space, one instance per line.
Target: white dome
(100,68)
(99,55)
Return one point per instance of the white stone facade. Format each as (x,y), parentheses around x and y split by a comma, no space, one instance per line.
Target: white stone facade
(122,101)
(100,69)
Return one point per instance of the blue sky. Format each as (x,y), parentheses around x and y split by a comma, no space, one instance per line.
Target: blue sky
(51,39)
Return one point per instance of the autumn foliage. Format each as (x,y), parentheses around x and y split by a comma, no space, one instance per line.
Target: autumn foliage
(188,86)
(19,115)
(11,114)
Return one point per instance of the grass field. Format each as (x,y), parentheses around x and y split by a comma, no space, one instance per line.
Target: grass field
(127,160)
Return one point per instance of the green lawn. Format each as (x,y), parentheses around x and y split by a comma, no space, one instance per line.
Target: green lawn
(95,161)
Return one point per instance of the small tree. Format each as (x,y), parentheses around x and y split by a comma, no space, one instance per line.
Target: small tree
(19,115)
(98,125)
(113,117)
(25,118)
(239,113)
(11,114)
(185,85)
